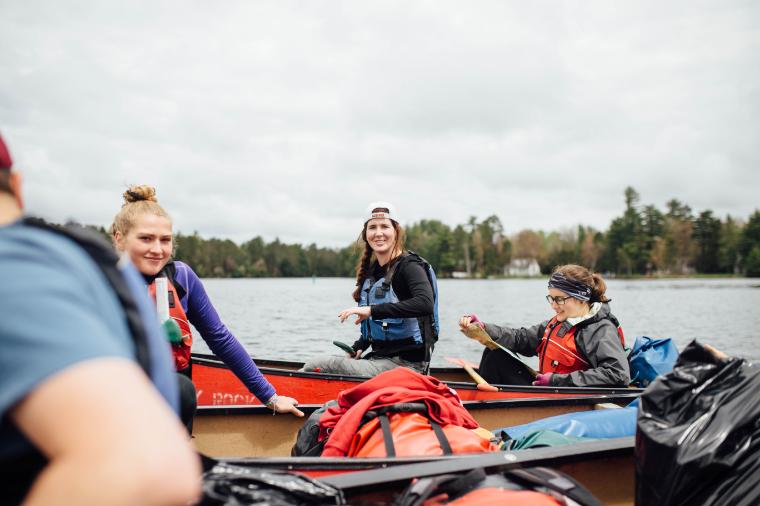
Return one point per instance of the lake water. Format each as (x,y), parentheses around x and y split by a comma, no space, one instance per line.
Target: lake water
(294,319)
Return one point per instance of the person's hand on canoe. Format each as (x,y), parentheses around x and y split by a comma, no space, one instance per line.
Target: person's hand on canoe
(285,404)
(362,314)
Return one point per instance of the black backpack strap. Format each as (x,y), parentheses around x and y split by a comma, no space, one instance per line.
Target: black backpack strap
(107,261)
(442,439)
(385,426)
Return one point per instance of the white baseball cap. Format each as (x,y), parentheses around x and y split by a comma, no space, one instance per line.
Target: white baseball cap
(381,210)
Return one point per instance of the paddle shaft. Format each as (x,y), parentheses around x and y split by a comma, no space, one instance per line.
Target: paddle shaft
(482,383)
(474,375)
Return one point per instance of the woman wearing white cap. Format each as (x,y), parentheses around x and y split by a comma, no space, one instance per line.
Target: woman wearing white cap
(396,292)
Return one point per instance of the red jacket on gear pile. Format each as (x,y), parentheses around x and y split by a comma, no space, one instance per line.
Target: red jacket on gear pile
(388,388)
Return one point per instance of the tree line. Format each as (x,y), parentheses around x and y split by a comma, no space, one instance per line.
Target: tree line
(644,240)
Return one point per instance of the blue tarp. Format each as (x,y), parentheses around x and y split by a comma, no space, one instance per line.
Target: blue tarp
(597,424)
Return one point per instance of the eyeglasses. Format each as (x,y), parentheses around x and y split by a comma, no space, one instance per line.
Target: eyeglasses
(559,300)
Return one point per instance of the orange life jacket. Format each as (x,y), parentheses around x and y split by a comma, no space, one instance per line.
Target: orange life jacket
(558,353)
(180,351)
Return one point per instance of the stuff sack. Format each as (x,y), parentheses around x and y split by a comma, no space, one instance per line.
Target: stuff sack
(650,358)
(536,486)
(406,430)
(698,432)
(397,387)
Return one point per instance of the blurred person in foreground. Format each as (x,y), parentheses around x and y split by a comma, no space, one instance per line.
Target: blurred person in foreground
(582,345)
(88,399)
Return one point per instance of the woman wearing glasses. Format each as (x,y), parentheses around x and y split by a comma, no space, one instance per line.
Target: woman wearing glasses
(581,345)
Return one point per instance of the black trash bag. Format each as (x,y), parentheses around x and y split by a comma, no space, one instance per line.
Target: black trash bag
(230,485)
(698,432)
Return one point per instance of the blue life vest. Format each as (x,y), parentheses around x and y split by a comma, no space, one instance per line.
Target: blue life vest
(397,329)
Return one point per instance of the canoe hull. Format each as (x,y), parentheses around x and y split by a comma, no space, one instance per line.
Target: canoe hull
(247,431)
(605,468)
(216,385)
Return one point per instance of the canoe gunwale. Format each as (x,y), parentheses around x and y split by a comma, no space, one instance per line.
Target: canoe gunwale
(269,367)
(499,461)
(583,400)
(514,459)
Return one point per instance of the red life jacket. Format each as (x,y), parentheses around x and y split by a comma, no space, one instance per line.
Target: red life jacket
(558,353)
(180,351)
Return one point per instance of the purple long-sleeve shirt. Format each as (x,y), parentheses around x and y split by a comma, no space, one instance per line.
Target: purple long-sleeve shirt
(202,314)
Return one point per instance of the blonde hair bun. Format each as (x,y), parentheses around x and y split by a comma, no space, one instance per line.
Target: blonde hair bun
(138,200)
(139,193)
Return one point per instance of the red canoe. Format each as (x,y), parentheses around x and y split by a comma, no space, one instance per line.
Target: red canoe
(217,386)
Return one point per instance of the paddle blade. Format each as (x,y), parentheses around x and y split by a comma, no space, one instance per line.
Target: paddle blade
(344,347)
(460,362)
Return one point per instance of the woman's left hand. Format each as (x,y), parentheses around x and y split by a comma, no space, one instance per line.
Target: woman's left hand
(285,404)
(543,380)
(362,314)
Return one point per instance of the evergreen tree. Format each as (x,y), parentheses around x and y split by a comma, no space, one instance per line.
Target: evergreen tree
(728,251)
(707,237)
(750,240)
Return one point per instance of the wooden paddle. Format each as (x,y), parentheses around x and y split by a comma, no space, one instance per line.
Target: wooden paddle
(476,332)
(470,368)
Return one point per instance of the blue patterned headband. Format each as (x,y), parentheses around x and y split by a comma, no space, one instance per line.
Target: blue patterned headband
(580,291)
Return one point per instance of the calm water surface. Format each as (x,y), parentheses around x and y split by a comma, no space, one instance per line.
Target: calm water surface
(295,319)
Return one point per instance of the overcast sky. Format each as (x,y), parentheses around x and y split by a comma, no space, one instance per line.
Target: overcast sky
(285,119)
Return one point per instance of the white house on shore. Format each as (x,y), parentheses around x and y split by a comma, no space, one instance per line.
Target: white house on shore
(522,267)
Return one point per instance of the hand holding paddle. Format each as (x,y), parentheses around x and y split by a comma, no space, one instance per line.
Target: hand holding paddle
(348,349)
(473,328)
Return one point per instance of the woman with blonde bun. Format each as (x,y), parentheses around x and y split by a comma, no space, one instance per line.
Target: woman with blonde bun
(581,345)
(142,229)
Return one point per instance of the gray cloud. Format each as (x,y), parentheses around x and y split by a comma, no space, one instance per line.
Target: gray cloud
(284,119)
